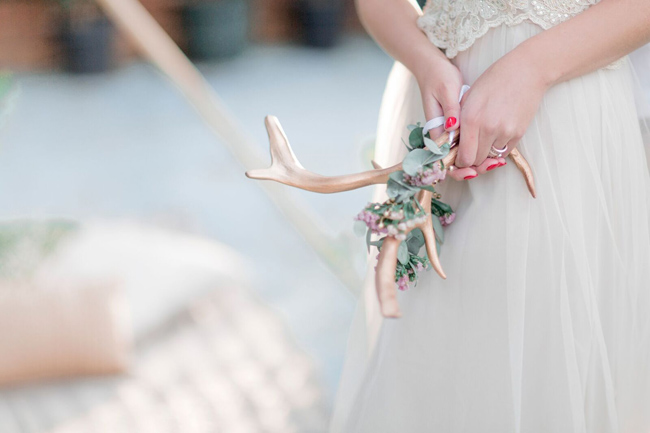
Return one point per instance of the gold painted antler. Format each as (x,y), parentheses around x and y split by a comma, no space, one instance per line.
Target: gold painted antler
(285,168)
(387,262)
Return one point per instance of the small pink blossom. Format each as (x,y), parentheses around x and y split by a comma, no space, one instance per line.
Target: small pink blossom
(403,282)
(426,177)
(371,219)
(447,219)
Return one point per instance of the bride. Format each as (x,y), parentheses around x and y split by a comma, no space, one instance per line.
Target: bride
(543,325)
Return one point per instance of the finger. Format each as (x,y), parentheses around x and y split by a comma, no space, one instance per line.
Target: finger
(468,144)
(450,107)
(433,109)
(459,174)
(512,144)
(488,165)
(487,140)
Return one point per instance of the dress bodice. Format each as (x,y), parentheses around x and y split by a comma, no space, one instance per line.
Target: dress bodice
(454,25)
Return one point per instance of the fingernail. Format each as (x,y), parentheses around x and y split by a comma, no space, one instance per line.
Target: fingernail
(493,166)
(451,121)
(500,164)
(471,176)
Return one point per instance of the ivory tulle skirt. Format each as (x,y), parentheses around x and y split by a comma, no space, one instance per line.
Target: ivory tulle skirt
(543,325)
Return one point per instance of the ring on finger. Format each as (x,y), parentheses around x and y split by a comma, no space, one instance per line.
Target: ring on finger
(497,153)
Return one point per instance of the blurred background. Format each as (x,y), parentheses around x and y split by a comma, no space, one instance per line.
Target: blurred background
(146,285)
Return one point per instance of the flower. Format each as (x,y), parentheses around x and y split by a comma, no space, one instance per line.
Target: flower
(403,282)
(372,221)
(447,218)
(426,177)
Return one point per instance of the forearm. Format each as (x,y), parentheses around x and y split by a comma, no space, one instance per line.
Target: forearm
(593,39)
(393,25)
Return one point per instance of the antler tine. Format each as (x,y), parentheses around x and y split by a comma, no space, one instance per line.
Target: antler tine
(387,262)
(281,151)
(385,278)
(525,170)
(430,235)
(285,168)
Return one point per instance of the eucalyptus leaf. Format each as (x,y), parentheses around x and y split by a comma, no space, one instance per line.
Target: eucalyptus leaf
(398,176)
(415,160)
(405,195)
(403,253)
(400,191)
(393,188)
(440,208)
(416,140)
(432,146)
(415,241)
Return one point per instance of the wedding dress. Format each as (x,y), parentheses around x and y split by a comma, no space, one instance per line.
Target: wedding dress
(543,324)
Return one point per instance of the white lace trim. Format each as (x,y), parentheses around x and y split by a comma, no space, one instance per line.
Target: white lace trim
(454,25)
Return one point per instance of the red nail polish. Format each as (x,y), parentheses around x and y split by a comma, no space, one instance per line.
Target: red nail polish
(472,176)
(450,122)
(493,166)
(500,164)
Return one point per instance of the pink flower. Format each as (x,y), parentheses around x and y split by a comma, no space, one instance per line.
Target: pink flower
(403,282)
(447,219)
(371,219)
(426,177)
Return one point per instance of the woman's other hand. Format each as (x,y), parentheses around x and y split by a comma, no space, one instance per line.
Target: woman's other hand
(498,109)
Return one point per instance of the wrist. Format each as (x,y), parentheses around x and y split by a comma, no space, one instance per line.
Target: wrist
(427,62)
(535,64)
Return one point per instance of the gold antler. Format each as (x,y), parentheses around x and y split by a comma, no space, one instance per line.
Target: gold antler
(285,168)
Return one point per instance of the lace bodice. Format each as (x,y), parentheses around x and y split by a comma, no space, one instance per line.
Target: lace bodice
(454,25)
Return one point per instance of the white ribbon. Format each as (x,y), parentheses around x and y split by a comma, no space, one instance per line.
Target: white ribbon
(439,121)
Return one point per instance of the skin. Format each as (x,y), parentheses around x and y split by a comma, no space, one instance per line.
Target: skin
(502,102)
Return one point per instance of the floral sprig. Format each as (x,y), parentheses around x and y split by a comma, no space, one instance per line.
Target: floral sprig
(422,168)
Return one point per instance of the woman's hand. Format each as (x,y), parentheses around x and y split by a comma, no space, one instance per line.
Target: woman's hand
(440,83)
(498,109)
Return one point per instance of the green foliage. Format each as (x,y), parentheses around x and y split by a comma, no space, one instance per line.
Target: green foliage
(396,216)
(439,208)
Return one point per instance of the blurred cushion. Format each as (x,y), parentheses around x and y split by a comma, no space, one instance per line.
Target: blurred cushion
(61,329)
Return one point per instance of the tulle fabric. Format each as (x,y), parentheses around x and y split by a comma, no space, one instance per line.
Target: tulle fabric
(543,324)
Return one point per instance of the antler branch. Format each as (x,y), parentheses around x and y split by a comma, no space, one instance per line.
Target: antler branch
(285,168)
(387,262)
